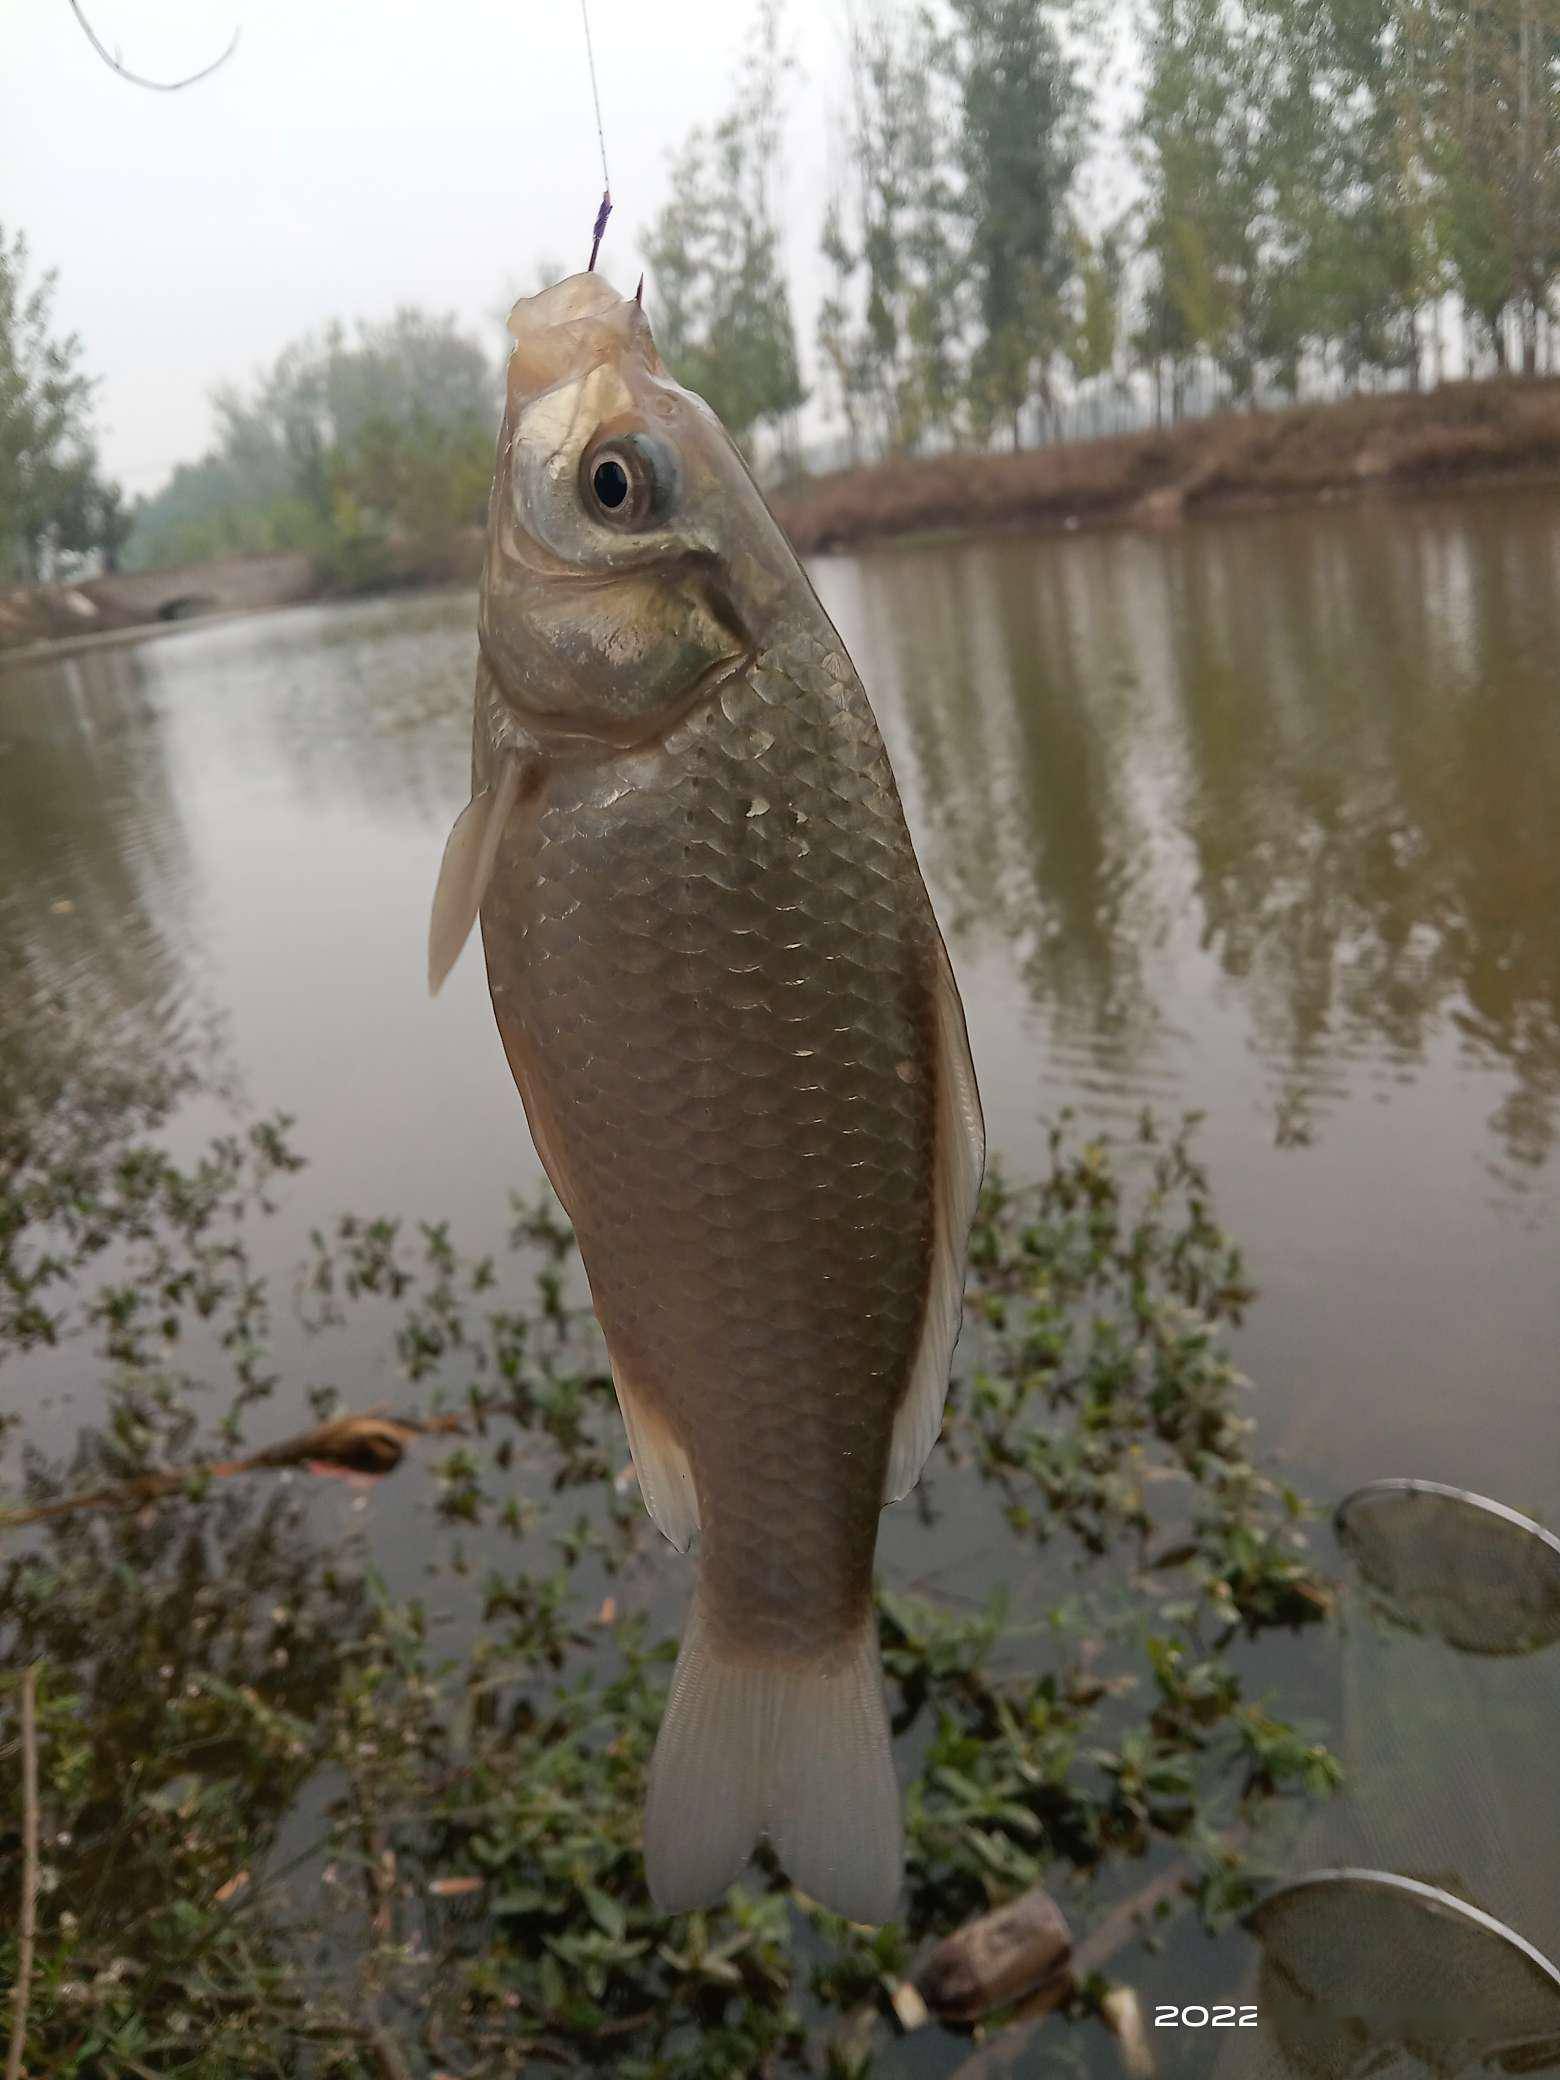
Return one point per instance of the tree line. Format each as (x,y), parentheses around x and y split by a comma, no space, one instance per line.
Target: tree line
(1288,196)
(1308,195)
(371,451)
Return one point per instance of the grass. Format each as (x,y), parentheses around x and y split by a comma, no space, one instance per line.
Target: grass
(299,1818)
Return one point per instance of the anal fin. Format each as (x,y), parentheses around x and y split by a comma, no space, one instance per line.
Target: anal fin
(665,1477)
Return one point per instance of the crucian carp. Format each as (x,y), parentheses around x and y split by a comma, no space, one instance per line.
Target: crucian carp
(733,1024)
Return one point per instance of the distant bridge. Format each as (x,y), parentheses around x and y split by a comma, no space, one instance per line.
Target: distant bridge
(132,599)
(230,584)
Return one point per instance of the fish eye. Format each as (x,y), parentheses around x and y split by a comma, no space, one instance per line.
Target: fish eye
(609,481)
(629,480)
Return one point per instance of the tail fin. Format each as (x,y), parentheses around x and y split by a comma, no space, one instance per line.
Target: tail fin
(801,1754)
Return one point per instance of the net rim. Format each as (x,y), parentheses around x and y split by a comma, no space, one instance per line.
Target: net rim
(1368,1510)
(1485,1505)
(1446,1904)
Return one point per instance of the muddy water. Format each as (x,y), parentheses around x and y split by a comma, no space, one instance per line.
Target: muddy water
(1264,819)
(1259,818)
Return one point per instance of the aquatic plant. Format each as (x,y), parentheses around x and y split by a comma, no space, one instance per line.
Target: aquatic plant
(302,1810)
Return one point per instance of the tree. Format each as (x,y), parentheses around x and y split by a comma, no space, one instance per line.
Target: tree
(1092,350)
(113,524)
(1351,259)
(721,305)
(837,338)
(343,443)
(52,494)
(1488,77)
(1217,269)
(894,344)
(1019,145)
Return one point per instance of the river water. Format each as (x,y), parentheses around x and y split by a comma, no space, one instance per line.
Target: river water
(1258,818)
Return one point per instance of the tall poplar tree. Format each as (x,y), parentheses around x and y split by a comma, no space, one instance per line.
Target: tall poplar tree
(889,327)
(717,287)
(1488,93)
(1020,141)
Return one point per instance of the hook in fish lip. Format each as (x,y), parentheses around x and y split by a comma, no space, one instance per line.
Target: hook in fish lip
(599,228)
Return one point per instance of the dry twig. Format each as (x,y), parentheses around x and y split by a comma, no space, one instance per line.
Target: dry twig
(29,1923)
(1119,1928)
(369,1444)
(387,2055)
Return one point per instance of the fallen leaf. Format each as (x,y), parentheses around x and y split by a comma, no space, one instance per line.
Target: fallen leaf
(454,1888)
(1122,2014)
(234,1885)
(908,2006)
(607,1615)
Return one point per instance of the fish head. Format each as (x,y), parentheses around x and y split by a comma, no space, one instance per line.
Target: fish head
(630,555)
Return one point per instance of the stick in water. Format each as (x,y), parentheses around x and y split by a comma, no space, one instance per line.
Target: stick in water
(24,1953)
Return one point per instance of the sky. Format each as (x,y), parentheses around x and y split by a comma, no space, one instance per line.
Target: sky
(353,155)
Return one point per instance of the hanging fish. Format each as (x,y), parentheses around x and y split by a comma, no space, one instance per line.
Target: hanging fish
(741,1050)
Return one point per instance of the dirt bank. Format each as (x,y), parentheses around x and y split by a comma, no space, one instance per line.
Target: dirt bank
(1461,432)
(147,601)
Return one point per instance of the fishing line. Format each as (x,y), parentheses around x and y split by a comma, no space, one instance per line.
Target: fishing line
(605,210)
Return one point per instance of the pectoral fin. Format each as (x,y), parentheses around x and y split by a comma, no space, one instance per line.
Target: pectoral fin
(960,1160)
(467,867)
(665,1477)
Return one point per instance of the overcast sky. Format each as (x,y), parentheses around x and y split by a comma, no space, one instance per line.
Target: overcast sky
(351,156)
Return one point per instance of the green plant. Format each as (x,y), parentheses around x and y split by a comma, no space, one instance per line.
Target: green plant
(295,1812)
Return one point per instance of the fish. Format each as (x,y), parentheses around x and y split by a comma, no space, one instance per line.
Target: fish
(741,1050)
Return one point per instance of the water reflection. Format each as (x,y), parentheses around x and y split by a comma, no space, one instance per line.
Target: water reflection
(94,870)
(1254,818)
(1024,718)
(1322,754)
(345,710)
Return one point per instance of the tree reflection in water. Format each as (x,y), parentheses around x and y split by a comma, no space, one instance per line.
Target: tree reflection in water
(1323,751)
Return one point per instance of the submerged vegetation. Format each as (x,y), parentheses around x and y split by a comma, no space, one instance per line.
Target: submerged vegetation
(301,1810)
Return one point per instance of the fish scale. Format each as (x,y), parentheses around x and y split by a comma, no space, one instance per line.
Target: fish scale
(817,1298)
